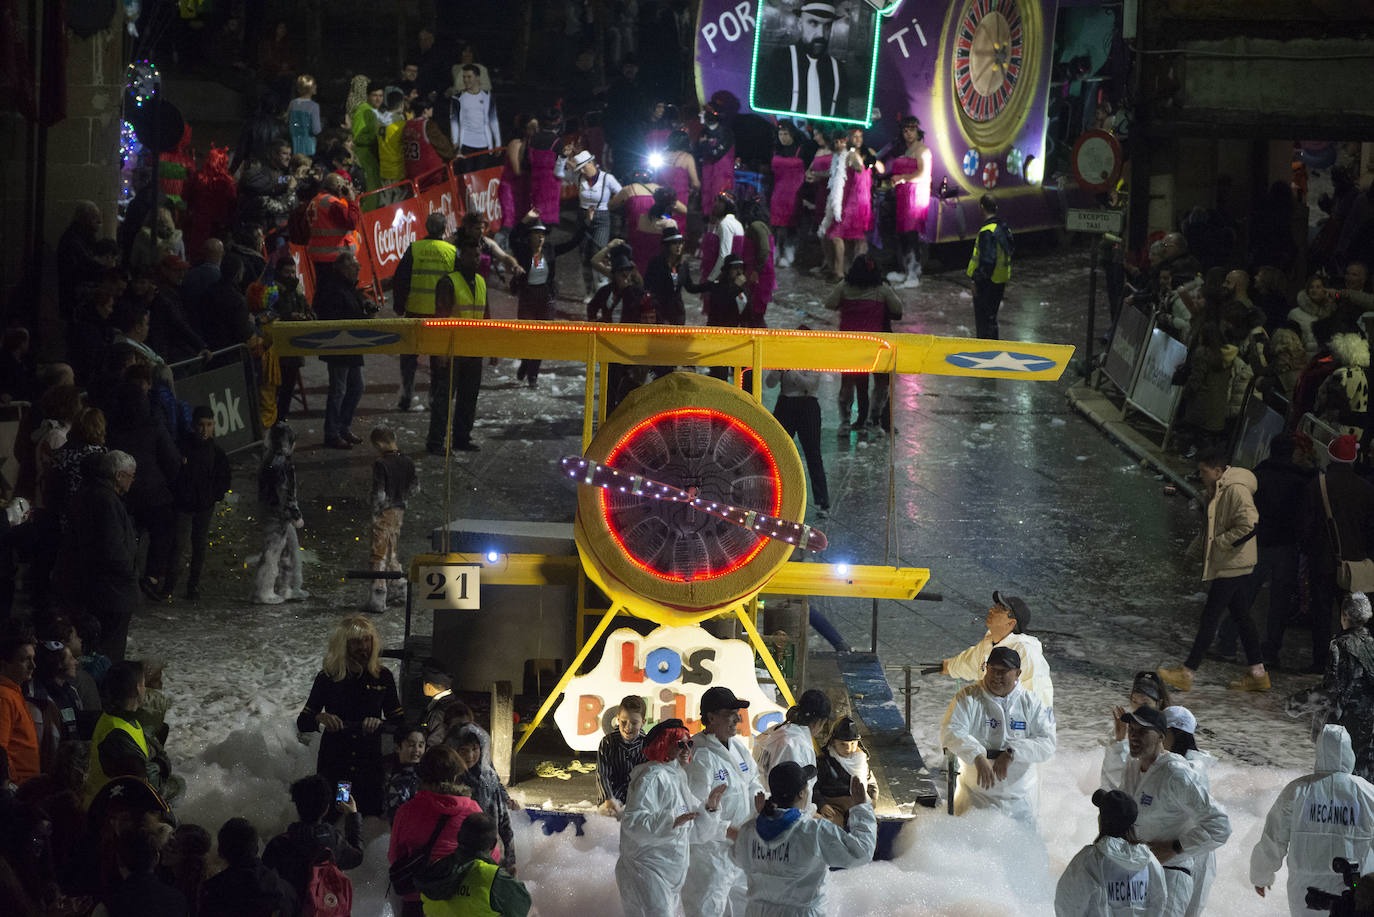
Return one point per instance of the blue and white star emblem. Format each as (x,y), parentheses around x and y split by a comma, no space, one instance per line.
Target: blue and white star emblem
(1001,359)
(340,339)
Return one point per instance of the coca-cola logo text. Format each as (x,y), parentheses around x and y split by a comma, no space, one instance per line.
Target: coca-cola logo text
(486,200)
(390,242)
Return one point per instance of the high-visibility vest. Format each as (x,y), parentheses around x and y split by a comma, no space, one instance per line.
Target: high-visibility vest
(472,898)
(96,778)
(329,236)
(1001,271)
(467,302)
(430,260)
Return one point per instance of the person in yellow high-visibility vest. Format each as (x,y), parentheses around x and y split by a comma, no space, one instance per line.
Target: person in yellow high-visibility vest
(460,294)
(424,264)
(467,882)
(990,268)
(118,745)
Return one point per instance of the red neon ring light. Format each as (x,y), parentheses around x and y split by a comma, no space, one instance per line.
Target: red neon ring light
(708,414)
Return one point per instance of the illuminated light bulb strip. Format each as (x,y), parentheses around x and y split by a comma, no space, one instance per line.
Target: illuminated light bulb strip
(586,471)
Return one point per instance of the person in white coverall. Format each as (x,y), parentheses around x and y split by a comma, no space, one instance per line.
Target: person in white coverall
(787,854)
(1116,874)
(1179,739)
(658,823)
(1324,815)
(1178,818)
(794,739)
(719,758)
(999,731)
(1006,622)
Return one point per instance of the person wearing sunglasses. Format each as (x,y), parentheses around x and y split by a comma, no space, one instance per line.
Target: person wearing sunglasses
(662,817)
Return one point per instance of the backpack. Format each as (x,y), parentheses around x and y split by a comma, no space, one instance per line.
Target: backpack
(328,892)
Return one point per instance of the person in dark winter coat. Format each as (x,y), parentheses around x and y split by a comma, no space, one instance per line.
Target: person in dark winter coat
(142,893)
(135,429)
(1279,500)
(101,544)
(247,888)
(1349,681)
(474,747)
(304,842)
(202,482)
(404,780)
(841,761)
(279,571)
(352,699)
(1352,508)
(226,318)
(337,298)
(469,878)
(290,306)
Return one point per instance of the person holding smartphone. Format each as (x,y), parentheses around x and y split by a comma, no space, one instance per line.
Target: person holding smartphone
(352,701)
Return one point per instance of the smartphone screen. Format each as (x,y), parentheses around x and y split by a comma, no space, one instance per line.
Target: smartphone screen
(345,792)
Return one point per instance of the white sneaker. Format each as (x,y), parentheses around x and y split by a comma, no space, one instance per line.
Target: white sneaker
(296,595)
(895,276)
(270,599)
(912,282)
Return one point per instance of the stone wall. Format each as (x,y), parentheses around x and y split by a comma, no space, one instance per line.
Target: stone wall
(82,154)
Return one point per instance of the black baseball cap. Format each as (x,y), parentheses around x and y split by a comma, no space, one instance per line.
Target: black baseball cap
(1016,607)
(1148,717)
(1004,656)
(844,730)
(788,779)
(720,698)
(1146,683)
(814,705)
(1119,811)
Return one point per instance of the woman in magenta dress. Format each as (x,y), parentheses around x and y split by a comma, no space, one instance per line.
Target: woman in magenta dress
(788,174)
(679,172)
(648,208)
(717,151)
(911,185)
(514,190)
(545,185)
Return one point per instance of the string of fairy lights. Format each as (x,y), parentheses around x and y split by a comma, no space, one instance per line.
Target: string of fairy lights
(142,82)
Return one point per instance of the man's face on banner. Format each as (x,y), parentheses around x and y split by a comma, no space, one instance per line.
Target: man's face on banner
(815,34)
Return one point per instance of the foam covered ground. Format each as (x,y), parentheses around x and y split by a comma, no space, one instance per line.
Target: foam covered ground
(976,865)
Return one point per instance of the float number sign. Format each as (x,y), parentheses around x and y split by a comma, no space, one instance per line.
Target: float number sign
(447,587)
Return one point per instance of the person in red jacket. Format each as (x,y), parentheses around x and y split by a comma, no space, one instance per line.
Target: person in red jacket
(439,797)
(17,734)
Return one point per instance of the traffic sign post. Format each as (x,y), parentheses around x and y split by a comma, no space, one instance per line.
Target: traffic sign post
(1100,222)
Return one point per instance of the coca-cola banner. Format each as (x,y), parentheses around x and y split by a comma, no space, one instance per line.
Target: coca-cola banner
(388,231)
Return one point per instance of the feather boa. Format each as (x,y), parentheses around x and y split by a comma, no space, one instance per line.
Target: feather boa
(834,200)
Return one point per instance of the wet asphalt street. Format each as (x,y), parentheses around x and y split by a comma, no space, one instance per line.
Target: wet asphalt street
(996,485)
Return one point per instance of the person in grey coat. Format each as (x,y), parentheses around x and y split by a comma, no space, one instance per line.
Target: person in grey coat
(474,747)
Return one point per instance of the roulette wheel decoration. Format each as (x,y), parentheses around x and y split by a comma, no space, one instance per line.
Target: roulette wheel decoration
(993,48)
(691,496)
(971,163)
(990,172)
(1015,160)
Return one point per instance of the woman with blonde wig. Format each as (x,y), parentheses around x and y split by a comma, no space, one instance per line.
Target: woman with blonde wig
(352,701)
